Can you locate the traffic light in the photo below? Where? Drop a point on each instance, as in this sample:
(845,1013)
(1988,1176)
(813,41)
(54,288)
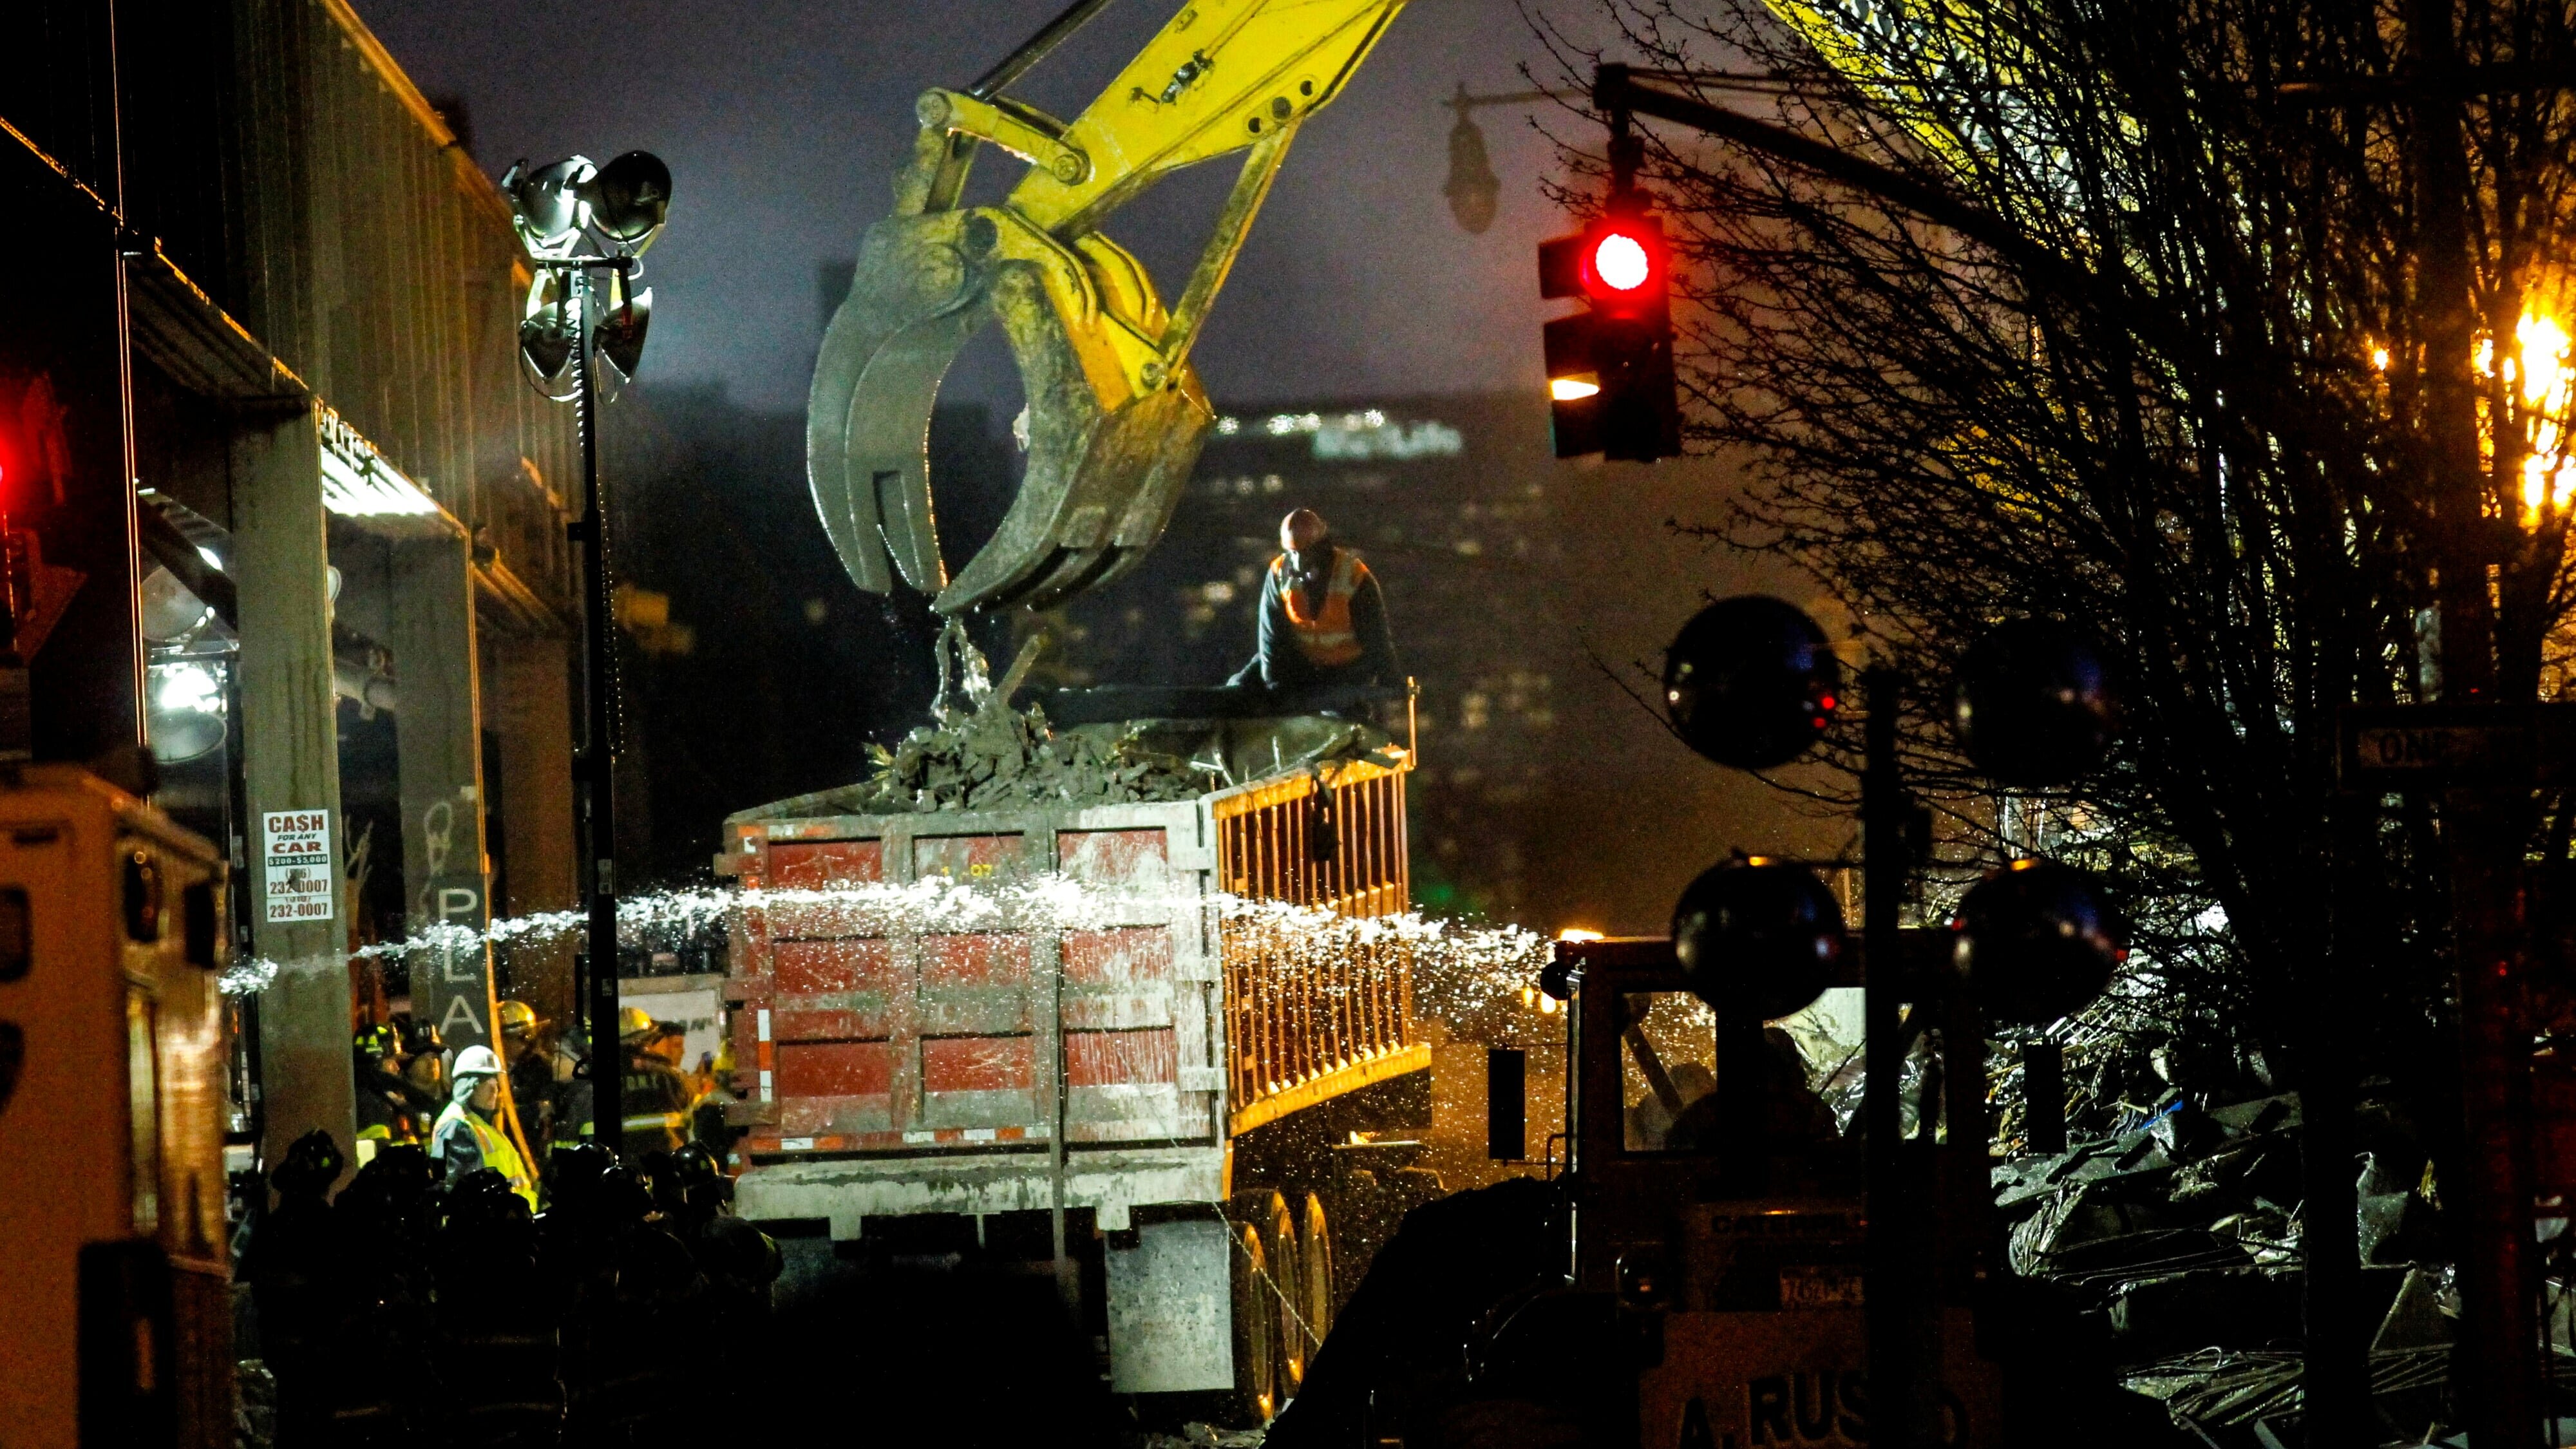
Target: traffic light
(1610,367)
(1751,682)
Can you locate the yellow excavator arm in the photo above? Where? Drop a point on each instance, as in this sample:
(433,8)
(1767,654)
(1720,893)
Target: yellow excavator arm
(1115,410)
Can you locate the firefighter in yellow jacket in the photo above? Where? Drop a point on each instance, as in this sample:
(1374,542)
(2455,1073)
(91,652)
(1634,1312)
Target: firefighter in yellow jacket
(469,1133)
(1324,641)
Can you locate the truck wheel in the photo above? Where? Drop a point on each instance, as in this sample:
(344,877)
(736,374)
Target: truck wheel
(1256,1330)
(1316,1237)
(1288,1298)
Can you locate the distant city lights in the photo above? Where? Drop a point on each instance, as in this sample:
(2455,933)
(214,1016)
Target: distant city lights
(1355,437)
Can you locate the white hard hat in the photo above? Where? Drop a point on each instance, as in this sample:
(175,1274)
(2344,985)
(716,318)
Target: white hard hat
(476,1061)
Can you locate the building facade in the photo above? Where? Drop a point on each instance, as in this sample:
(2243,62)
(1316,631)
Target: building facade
(263,399)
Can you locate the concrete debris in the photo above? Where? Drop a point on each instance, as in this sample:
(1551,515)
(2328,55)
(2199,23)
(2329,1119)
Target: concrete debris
(2422,1313)
(2083,1213)
(2171,1312)
(2180,1241)
(979,753)
(2266,1234)
(2227,1397)
(997,757)
(2398,1227)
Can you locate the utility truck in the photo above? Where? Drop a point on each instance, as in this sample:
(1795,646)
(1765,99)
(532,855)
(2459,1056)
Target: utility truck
(1712,1294)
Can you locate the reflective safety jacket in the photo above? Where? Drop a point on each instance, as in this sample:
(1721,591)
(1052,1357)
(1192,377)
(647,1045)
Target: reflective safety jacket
(654,1099)
(1329,636)
(464,1140)
(1322,627)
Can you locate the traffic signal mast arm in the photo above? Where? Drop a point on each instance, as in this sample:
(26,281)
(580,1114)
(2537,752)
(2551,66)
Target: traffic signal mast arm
(1619,91)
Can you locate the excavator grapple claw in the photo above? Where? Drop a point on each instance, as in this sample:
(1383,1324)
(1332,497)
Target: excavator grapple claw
(1115,410)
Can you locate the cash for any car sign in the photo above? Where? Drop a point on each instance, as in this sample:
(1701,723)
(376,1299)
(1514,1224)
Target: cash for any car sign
(301,884)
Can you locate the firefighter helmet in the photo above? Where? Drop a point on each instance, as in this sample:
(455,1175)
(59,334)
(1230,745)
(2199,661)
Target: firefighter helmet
(634,1023)
(419,1038)
(376,1042)
(518,1019)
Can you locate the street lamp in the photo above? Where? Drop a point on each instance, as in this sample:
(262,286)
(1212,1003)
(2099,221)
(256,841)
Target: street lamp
(585,228)
(1472,188)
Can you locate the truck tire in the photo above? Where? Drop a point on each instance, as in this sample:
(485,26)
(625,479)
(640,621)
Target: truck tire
(1315,1237)
(1256,1330)
(1286,1291)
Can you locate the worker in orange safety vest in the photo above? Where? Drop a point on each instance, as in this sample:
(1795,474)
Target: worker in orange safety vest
(1324,640)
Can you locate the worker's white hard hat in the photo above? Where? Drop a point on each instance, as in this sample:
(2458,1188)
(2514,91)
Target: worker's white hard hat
(476,1061)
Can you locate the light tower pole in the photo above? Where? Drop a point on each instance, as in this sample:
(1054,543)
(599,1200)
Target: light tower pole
(585,228)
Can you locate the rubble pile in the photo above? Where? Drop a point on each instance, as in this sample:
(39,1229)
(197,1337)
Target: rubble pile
(2225,1395)
(2179,1241)
(978,753)
(996,757)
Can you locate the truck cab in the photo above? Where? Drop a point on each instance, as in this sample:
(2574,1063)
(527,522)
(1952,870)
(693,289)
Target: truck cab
(1712,1296)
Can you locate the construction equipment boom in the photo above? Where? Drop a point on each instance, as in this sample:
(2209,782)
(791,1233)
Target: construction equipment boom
(1115,409)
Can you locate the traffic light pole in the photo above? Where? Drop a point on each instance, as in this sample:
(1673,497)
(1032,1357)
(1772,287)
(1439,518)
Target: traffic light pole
(1903,1374)
(2499,1286)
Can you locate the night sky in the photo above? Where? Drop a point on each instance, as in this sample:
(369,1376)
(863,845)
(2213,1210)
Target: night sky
(783,121)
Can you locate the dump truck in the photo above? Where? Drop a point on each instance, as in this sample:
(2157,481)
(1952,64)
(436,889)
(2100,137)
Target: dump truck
(995,1018)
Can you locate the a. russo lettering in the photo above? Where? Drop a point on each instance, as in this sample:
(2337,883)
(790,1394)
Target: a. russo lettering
(1823,1406)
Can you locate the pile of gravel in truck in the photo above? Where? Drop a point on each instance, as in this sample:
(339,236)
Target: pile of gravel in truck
(979,753)
(2178,1244)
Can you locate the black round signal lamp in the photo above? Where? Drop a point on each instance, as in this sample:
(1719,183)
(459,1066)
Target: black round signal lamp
(2036,941)
(1750,682)
(1758,936)
(2036,703)
(1556,979)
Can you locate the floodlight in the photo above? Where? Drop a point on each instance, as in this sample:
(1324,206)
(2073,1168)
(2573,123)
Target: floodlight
(624,314)
(1758,937)
(170,613)
(184,709)
(630,198)
(547,331)
(1751,682)
(549,202)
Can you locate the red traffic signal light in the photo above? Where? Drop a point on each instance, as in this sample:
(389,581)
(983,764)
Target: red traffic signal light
(1619,264)
(1623,264)
(1610,367)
